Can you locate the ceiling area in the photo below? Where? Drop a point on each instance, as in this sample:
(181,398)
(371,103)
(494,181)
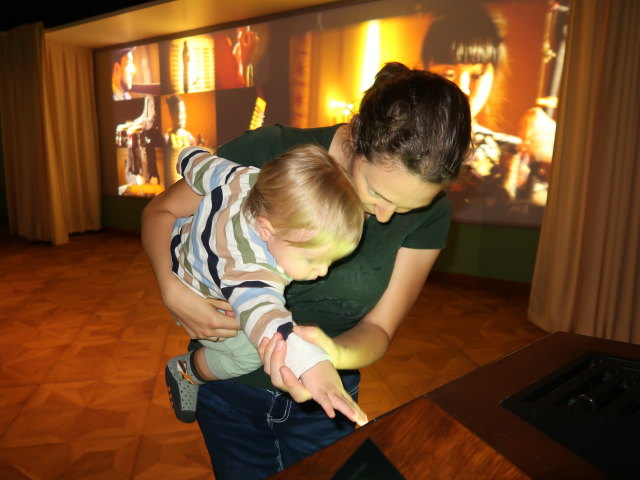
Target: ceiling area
(96,26)
(52,14)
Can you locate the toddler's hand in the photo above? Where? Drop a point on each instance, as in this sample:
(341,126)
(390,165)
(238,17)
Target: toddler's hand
(325,386)
(320,383)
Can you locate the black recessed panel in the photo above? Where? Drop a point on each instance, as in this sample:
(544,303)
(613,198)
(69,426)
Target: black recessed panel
(368,463)
(592,407)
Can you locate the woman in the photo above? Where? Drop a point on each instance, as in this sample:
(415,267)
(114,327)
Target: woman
(409,140)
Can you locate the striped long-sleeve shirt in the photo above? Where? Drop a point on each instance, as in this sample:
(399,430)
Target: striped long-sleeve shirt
(219,254)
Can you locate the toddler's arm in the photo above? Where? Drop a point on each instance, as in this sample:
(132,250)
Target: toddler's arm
(262,312)
(205,172)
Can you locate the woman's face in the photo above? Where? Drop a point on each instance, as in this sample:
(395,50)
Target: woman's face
(385,190)
(474,79)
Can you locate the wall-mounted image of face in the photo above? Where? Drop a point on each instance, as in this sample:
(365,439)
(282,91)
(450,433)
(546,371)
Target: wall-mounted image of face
(122,73)
(465,46)
(474,79)
(465,43)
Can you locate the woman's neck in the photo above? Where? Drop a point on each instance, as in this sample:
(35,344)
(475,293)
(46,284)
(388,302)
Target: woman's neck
(340,148)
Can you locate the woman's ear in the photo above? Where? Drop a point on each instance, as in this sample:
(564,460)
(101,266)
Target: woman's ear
(265,229)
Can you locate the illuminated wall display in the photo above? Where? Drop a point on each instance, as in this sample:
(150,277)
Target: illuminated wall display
(310,70)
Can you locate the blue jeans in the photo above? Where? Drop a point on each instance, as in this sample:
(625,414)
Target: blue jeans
(253,433)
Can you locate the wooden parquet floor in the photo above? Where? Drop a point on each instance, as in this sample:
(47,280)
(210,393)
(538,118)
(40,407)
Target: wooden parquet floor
(84,339)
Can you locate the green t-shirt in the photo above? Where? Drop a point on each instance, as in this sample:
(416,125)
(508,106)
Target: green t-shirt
(354,284)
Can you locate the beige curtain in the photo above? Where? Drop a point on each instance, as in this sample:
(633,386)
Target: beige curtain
(71,131)
(587,274)
(21,103)
(49,137)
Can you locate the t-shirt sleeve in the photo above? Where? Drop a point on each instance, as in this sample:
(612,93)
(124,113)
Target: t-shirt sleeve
(257,147)
(254,147)
(432,232)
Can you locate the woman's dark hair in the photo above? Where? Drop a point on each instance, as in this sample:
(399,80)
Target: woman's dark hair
(465,33)
(415,118)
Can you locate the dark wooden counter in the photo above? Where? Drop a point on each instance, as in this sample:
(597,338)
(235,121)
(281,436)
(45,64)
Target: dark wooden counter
(421,440)
(474,400)
(461,431)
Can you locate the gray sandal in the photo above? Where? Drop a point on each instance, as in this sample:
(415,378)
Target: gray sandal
(183,391)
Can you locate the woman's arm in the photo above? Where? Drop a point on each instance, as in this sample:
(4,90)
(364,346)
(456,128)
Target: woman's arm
(198,316)
(369,340)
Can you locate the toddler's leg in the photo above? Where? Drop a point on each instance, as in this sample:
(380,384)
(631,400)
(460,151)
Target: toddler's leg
(183,381)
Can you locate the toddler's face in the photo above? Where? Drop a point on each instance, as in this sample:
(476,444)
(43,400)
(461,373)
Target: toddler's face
(301,263)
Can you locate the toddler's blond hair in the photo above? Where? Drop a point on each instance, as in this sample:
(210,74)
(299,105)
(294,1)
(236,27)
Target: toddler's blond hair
(305,189)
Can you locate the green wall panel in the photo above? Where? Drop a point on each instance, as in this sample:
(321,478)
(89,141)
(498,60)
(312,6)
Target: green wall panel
(504,253)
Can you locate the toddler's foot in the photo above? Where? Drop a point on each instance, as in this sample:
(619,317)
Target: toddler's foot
(183,389)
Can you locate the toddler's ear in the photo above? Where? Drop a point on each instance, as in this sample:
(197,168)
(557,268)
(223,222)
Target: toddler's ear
(265,229)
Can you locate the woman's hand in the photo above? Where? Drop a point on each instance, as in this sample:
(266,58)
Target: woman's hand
(272,352)
(315,335)
(311,334)
(201,318)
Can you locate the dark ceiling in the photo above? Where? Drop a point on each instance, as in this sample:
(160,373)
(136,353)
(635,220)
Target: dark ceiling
(55,14)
